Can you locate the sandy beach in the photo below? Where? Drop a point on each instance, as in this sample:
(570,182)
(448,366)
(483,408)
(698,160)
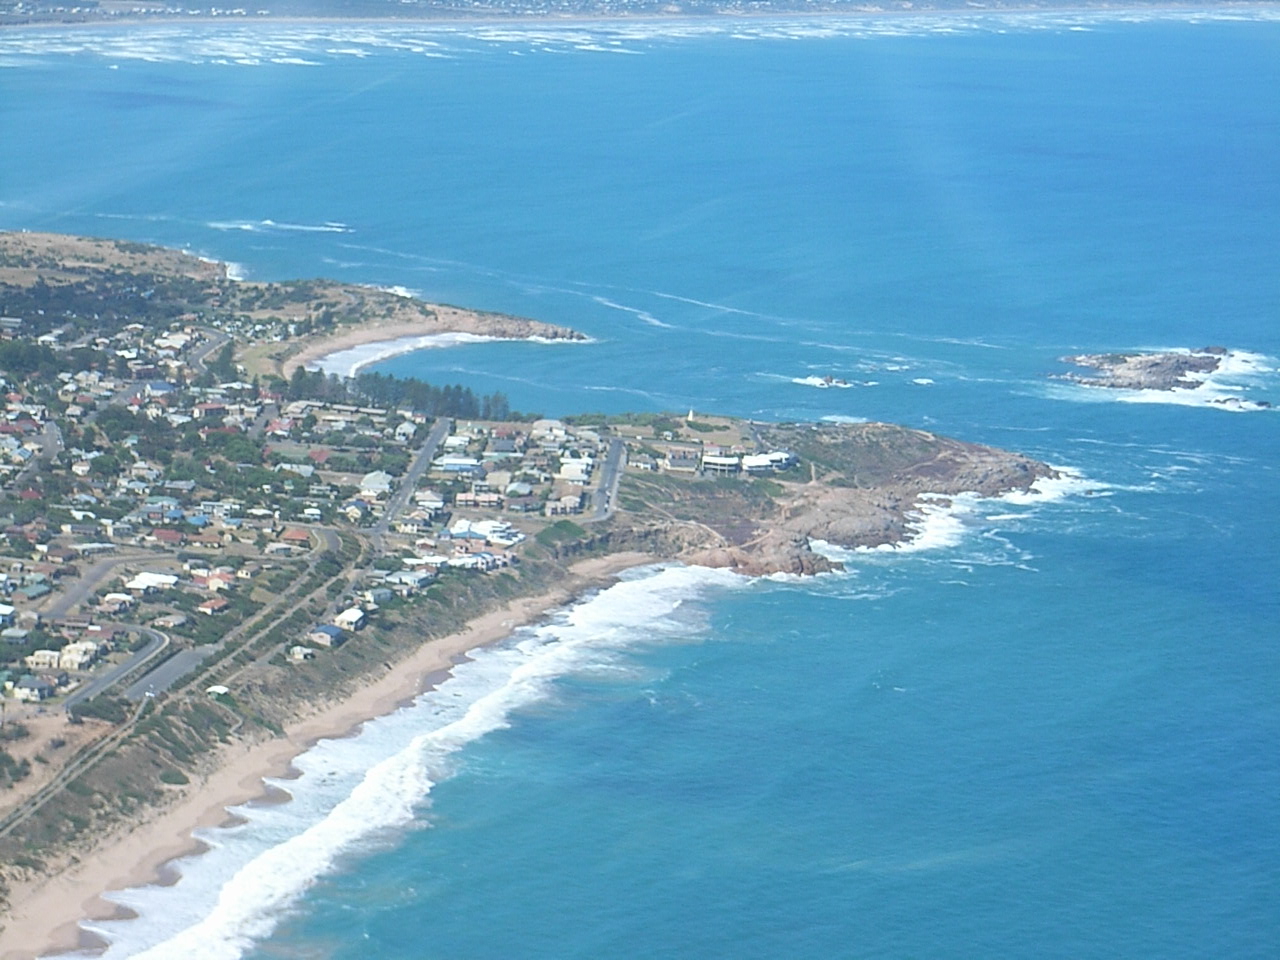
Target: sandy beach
(443,320)
(44,915)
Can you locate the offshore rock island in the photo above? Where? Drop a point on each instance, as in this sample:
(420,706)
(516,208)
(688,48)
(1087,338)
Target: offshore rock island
(214,555)
(1167,371)
(1170,370)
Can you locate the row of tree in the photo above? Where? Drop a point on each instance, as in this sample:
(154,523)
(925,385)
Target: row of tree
(381,390)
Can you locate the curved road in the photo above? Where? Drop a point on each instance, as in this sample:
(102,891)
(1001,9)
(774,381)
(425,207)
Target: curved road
(156,641)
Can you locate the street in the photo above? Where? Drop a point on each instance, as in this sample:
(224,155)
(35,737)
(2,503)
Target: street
(156,641)
(409,483)
(602,501)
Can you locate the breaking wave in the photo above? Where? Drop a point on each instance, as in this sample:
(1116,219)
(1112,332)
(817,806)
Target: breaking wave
(941,521)
(349,362)
(1226,388)
(355,792)
(278,45)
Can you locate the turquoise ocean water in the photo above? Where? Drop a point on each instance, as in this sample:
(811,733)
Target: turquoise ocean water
(1049,728)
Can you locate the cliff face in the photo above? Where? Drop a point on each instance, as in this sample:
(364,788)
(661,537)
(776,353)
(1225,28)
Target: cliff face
(856,486)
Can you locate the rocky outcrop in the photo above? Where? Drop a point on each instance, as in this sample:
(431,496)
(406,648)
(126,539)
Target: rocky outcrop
(1172,370)
(728,524)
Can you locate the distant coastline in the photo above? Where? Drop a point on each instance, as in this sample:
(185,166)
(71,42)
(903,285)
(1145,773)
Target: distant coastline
(711,14)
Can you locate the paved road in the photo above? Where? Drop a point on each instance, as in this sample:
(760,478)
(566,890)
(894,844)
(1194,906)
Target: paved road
(88,582)
(409,483)
(162,677)
(603,501)
(200,355)
(156,641)
(50,446)
(269,412)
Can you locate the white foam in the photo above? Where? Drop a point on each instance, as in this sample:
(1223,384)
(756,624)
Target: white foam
(271,226)
(942,521)
(353,791)
(644,315)
(399,291)
(1224,388)
(922,381)
(234,271)
(821,382)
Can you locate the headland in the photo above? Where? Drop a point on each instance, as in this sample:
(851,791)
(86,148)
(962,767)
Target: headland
(205,539)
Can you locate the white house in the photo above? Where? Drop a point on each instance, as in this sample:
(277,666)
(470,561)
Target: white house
(147,582)
(376,485)
(350,619)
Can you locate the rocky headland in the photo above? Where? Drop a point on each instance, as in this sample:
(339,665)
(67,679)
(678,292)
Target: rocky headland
(857,485)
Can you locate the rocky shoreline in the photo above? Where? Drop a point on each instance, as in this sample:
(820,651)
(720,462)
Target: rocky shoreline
(714,525)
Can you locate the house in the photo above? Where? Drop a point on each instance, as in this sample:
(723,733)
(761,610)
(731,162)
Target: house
(455,464)
(376,485)
(296,536)
(116,602)
(326,635)
(299,653)
(429,500)
(681,461)
(33,690)
(559,506)
(42,660)
(214,605)
(720,466)
(490,501)
(146,582)
(169,621)
(575,471)
(407,581)
(350,619)
(376,595)
(78,655)
(757,463)
(6,614)
(168,536)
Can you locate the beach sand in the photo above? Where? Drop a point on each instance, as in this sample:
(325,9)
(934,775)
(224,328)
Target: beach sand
(44,915)
(444,319)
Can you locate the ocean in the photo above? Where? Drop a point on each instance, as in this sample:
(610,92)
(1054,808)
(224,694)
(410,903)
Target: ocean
(1049,726)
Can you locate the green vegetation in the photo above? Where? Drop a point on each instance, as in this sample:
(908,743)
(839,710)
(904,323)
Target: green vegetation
(560,532)
(102,707)
(174,777)
(376,389)
(12,770)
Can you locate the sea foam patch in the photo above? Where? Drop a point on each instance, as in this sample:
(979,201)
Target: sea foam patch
(353,793)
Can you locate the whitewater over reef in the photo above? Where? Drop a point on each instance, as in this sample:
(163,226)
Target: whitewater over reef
(1042,724)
